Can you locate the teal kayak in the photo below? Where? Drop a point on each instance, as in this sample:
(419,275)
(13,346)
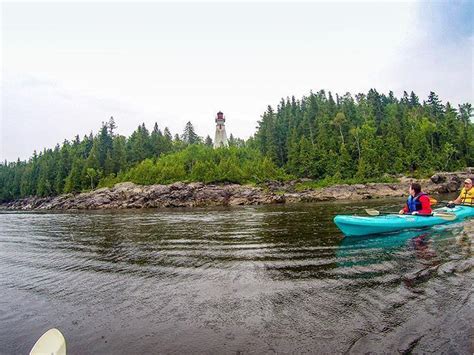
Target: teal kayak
(362,225)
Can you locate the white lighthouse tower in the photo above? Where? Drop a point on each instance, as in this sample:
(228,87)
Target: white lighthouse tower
(220,139)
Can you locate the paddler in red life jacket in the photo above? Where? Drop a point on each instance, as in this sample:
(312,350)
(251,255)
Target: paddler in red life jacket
(418,202)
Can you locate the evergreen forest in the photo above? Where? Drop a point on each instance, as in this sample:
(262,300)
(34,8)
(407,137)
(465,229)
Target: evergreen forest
(366,137)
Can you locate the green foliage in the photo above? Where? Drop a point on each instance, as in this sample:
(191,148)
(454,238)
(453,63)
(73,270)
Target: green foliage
(342,140)
(92,174)
(108,181)
(366,137)
(99,160)
(208,141)
(202,163)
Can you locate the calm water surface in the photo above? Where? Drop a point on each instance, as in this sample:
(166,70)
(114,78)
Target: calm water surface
(266,279)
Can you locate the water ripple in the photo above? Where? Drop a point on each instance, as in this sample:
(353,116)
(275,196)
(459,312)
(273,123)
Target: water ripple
(251,279)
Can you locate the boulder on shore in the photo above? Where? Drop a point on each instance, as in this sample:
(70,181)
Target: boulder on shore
(451,182)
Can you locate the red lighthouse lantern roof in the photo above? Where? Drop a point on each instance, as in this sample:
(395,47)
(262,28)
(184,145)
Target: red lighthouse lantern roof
(220,116)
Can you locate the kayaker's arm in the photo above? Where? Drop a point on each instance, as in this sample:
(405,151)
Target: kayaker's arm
(404,210)
(457,201)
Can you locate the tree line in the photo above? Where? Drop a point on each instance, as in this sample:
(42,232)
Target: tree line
(319,137)
(366,136)
(145,158)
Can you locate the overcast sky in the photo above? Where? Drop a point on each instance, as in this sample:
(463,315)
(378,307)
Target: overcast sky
(66,67)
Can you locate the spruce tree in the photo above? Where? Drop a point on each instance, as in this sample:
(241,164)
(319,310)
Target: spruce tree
(189,136)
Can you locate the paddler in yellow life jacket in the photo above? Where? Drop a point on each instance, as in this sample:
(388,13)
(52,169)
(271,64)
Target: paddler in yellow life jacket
(466,197)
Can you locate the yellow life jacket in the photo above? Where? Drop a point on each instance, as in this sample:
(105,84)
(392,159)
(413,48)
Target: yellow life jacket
(467,196)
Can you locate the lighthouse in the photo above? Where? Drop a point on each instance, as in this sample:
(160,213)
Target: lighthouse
(220,139)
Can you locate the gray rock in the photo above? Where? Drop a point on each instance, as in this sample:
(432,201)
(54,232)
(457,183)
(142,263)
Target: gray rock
(180,194)
(438,178)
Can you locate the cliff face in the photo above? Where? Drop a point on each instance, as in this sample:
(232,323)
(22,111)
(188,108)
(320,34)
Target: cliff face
(129,195)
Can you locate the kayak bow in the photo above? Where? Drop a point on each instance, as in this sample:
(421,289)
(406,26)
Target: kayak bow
(52,342)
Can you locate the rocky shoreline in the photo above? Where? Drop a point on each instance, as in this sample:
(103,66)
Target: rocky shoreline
(129,195)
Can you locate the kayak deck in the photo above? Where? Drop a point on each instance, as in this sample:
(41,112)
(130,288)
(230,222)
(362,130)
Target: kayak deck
(365,225)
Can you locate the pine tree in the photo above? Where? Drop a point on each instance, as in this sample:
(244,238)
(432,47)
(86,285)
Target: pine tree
(465,115)
(189,136)
(156,141)
(414,100)
(136,145)
(74,181)
(434,105)
(111,126)
(167,141)
(119,154)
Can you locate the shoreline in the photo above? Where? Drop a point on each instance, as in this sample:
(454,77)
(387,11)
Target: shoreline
(128,195)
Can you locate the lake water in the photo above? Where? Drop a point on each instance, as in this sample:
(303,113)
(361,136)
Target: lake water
(264,279)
